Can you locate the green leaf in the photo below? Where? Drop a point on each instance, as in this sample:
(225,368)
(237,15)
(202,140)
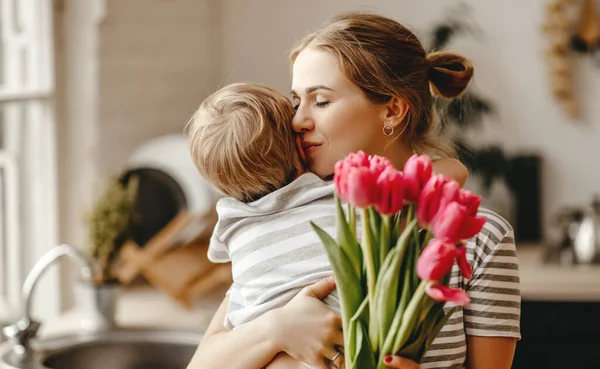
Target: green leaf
(406,292)
(371,240)
(347,282)
(347,238)
(371,259)
(364,357)
(438,327)
(430,314)
(368,254)
(350,343)
(357,343)
(410,317)
(346,279)
(375,220)
(397,224)
(384,241)
(352,219)
(361,315)
(387,287)
(414,345)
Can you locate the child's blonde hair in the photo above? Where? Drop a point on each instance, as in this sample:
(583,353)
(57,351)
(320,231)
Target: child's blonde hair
(241,140)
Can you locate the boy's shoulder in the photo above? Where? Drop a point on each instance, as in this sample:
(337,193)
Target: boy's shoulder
(303,194)
(304,190)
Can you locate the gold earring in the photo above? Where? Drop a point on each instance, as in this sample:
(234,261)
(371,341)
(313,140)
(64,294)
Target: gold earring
(388,129)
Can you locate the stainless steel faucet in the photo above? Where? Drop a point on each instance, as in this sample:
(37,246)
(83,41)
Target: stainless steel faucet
(21,332)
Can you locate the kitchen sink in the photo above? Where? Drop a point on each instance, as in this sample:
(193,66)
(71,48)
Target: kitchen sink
(121,348)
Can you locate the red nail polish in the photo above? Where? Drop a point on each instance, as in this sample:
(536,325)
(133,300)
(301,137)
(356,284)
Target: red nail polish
(388,359)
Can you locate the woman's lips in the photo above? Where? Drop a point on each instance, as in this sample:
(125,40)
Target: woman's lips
(310,149)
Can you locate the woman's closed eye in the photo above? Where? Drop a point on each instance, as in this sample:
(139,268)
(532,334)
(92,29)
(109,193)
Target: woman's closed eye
(318,104)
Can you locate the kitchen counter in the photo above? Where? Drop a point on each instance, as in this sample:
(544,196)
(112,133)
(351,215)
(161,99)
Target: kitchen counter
(144,306)
(553,282)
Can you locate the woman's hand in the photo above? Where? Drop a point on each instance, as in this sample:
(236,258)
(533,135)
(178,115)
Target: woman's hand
(400,363)
(308,330)
(285,361)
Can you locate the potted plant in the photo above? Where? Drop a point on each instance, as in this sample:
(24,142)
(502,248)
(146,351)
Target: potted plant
(109,226)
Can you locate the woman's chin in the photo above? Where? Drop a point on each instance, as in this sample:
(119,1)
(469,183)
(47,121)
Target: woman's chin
(326,174)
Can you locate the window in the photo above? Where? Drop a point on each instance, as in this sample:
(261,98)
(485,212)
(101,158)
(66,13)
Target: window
(28,214)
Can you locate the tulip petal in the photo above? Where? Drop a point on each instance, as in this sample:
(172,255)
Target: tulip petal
(390,197)
(378,164)
(470,201)
(470,227)
(436,260)
(463,264)
(437,193)
(358,159)
(361,187)
(444,293)
(417,172)
(449,221)
(340,180)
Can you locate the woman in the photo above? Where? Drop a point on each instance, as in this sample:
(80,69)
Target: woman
(364,82)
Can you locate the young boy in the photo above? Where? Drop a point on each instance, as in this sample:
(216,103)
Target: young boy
(242,141)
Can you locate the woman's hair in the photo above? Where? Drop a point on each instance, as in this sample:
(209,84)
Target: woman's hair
(386,60)
(241,140)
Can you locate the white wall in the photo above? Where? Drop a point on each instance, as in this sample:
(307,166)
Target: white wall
(127,71)
(155,67)
(510,69)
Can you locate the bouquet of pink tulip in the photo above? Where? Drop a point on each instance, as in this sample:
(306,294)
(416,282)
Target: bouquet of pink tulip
(393,283)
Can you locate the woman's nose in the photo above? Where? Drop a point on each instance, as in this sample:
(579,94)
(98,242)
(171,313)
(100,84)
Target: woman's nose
(302,122)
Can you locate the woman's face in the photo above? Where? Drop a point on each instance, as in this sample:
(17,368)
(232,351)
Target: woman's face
(333,118)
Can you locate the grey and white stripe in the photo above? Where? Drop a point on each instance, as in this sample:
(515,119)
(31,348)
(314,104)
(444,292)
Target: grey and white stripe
(495,307)
(273,249)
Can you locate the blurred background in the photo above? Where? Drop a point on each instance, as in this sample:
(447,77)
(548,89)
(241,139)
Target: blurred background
(94,93)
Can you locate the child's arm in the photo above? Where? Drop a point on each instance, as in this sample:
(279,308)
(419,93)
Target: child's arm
(452,168)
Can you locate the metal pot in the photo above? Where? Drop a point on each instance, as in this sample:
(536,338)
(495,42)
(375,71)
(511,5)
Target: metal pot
(586,235)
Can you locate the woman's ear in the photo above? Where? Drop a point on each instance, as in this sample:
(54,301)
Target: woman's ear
(395,111)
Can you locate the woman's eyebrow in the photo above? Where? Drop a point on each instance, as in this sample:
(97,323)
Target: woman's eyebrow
(313,89)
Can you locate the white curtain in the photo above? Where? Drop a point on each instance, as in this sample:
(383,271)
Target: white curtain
(28,168)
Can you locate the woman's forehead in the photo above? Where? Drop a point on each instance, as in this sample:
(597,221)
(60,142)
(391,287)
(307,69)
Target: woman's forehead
(314,67)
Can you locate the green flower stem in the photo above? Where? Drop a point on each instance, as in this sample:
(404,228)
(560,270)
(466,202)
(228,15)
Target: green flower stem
(410,315)
(384,246)
(388,281)
(428,237)
(368,254)
(411,213)
(370,267)
(352,220)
